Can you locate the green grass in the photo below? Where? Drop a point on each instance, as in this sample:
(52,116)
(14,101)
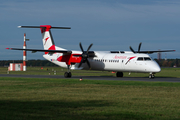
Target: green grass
(165,72)
(53,99)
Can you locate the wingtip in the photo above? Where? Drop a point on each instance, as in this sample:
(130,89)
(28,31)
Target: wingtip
(19,26)
(7,48)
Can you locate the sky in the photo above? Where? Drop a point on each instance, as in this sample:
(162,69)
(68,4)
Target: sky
(108,24)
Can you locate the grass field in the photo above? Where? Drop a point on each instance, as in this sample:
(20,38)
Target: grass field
(53,99)
(165,72)
(71,99)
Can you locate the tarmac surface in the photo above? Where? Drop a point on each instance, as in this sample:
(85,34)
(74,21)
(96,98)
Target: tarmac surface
(156,79)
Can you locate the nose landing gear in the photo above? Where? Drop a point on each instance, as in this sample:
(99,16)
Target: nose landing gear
(151,76)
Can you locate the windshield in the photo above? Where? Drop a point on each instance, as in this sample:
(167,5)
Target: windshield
(147,58)
(144,59)
(140,59)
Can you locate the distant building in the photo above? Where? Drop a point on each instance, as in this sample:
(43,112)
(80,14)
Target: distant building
(15,67)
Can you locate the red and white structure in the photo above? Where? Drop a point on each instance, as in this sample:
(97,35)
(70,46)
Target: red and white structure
(15,67)
(24,53)
(20,66)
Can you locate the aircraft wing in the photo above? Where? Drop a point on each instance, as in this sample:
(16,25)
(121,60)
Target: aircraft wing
(39,50)
(150,52)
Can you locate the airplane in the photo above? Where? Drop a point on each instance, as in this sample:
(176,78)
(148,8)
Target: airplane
(116,61)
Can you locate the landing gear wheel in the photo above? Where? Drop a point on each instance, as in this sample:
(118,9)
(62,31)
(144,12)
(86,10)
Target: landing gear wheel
(67,74)
(119,74)
(151,76)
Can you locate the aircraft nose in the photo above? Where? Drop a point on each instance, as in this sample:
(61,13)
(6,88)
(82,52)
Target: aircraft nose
(156,67)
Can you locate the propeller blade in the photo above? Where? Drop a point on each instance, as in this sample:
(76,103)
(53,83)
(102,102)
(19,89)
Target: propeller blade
(132,49)
(81,47)
(80,63)
(88,63)
(139,47)
(89,48)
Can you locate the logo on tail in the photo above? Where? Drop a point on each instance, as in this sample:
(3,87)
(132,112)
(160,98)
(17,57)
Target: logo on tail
(46,40)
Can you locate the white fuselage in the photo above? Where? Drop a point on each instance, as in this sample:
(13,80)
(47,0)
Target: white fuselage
(106,61)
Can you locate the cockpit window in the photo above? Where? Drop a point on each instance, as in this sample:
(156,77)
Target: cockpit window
(147,58)
(140,59)
(144,59)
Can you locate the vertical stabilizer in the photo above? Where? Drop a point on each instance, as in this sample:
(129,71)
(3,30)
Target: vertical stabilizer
(47,38)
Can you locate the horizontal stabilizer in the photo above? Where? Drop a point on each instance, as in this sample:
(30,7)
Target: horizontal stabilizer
(43,27)
(38,50)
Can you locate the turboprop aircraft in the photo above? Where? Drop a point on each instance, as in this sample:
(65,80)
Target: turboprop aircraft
(117,61)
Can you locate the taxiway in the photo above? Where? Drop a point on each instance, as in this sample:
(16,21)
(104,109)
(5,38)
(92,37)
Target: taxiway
(157,79)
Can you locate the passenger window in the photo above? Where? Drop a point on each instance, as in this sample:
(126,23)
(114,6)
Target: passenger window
(140,59)
(147,58)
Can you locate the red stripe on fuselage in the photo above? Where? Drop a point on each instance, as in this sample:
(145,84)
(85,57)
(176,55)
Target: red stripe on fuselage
(130,59)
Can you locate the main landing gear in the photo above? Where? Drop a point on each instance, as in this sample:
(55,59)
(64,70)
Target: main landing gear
(68,73)
(84,58)
(119,74)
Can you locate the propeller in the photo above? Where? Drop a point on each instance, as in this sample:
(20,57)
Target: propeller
(138,49)
(84,55)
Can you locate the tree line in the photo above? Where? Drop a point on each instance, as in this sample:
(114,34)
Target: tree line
(28,63)
(162,62)
(168,62)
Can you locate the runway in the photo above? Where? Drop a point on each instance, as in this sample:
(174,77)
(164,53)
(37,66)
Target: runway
(157,79)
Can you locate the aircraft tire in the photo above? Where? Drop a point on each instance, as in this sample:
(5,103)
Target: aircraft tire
(151,76)
(119,74)
(67,74)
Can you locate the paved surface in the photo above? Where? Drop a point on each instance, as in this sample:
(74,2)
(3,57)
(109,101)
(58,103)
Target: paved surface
(97,78)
